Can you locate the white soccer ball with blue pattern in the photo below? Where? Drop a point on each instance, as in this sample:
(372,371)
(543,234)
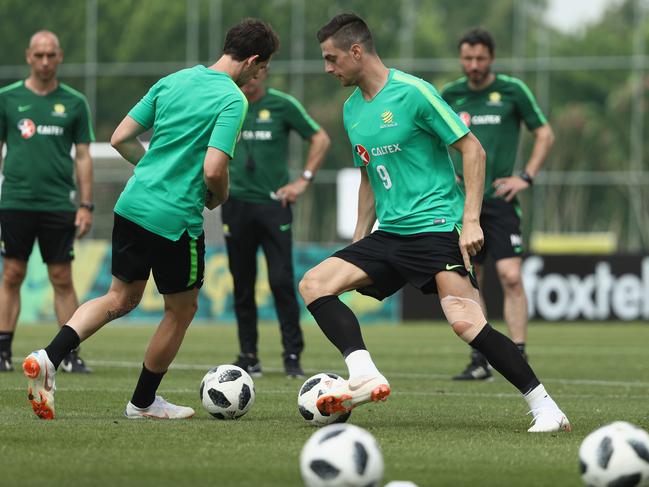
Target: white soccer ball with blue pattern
(227,392)
(311,390)
(341,455)
(615,455)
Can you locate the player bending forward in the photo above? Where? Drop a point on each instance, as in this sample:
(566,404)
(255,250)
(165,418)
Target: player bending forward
(399,128)
(196,115)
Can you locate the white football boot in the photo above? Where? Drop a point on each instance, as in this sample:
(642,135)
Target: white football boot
(40,371)
(354,392)
(548,420)
(160,409)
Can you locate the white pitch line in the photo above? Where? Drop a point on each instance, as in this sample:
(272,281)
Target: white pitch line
(493,395)
(401,375)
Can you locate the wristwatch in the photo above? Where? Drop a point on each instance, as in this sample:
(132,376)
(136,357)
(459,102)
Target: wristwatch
(526,177)
(88,206)
(308,175)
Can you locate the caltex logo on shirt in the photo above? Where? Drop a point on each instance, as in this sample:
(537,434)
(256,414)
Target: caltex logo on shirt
(362,153)
(27,128)
(466,118)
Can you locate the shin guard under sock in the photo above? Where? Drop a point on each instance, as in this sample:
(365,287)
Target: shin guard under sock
(338,323)
(505,357)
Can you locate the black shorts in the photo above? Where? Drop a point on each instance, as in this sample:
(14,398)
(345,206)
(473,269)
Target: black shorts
(54,230)
(177,266)
(501,224)
(391,260)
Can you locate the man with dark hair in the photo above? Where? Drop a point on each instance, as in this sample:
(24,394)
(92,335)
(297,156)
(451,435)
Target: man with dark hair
(40,119)
(400,130)
(493,106)
(196,115)
(258,214)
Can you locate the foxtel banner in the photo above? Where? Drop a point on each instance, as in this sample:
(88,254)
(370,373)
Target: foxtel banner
(92,277)
(562,288)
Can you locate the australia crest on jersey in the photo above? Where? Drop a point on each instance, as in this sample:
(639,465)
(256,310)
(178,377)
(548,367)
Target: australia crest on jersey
(495,99)
(387,117)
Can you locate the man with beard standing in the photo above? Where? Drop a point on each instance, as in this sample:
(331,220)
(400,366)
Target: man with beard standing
(493,107)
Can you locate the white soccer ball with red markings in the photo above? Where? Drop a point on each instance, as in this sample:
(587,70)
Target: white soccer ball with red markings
(311,390)
(227,392)
(615,455)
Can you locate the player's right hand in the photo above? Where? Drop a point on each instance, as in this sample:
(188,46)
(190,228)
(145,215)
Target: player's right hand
(210,201)
(471,241)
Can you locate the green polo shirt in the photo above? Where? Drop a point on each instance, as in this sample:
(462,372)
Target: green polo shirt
(494,115)
(39,131)
(189,111)
(401,137)
(260,165)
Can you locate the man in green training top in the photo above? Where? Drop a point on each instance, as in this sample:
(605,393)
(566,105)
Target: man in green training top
(40,119)
(258,213)
(493,106)
(400,129)
(196,115)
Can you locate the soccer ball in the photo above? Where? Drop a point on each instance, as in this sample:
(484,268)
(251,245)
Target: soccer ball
(227,392)
(309,393)
(615,455)
(341,455)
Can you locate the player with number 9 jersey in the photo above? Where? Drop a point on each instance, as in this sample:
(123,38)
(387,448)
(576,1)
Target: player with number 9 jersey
(401,137)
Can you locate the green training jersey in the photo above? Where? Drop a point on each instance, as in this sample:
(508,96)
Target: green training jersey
(401,136)
(189,110)
(260,165)
(494,115)
(39,131)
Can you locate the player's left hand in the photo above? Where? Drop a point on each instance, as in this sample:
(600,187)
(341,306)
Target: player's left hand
(289,193)
(83,222)
(471,241)
(509,187)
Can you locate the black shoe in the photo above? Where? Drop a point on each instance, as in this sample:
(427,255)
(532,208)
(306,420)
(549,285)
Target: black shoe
(5,362)
(74,364)
(478,369)
(292,366)
(250,363)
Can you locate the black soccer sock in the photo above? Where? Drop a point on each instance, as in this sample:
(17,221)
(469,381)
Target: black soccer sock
(147,385)
(63,343)
(338,323)
(504,356)
(521,347)
(6,337)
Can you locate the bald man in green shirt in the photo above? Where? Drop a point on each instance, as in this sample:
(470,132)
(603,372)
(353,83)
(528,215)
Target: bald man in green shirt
(41,119)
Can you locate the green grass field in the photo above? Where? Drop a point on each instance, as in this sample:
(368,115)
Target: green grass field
(432,431)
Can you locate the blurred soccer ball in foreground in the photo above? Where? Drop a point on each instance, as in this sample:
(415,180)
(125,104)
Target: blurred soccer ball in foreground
(227,392)
(309,393)
(341,455)
(615,455)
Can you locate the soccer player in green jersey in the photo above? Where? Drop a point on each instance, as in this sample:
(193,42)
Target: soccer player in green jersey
(40,119)
(196,115)
(494,106)
(258,214)
(400,128)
